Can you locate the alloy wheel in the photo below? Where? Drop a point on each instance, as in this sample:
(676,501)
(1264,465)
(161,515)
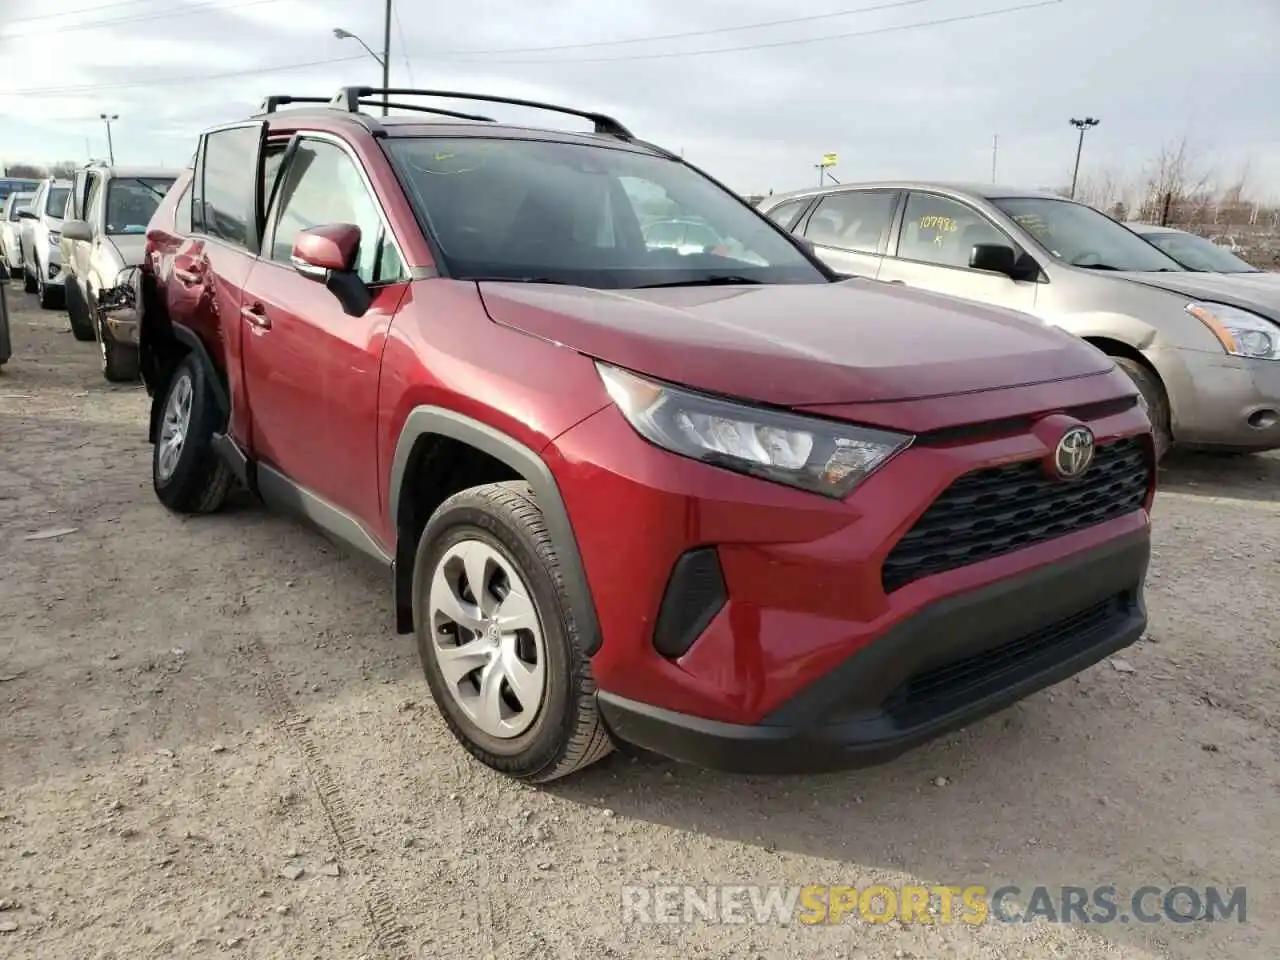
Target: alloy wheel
(174,426)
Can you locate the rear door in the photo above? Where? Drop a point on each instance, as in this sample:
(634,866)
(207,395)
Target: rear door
(212,263)
(850,229)
(310,369)
(932,248)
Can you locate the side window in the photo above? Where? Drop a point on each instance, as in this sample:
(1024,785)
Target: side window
(942,231)
(854,220)
(182,212)
(93,201)
(786,214)
(230,167)
(322,185)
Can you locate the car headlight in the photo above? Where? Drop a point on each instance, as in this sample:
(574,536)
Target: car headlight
(821,456)
(1241,333)
(54,237)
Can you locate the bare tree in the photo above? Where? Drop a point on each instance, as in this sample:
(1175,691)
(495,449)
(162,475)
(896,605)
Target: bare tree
(63,170)
(1177,179)
(25,170)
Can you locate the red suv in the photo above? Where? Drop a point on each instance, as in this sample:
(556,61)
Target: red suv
(684,488)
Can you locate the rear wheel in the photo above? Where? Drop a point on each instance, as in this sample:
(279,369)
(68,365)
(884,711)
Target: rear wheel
(50,294)
(1154,401)
(188,476)
(499,649)
(29,283)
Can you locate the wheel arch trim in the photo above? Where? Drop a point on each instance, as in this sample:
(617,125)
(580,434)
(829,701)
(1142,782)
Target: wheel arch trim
(425,421)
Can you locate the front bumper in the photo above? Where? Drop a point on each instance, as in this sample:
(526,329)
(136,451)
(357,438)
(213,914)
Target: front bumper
(122,326)
(956,661)
(1222,401)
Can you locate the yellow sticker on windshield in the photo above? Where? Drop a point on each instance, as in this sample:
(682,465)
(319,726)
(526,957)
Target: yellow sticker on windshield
(937,223)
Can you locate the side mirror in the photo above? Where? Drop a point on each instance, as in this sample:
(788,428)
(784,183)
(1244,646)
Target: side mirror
(327,255)
(76,230)
(805,244)
(319,251)
(994,258)
(26,214)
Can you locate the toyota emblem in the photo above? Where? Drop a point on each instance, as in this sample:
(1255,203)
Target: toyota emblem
(1074,453)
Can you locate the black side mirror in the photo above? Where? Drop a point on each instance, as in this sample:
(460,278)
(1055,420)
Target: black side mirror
(994,258)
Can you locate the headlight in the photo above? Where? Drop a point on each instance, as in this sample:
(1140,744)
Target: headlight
(821,456)
(54,237)
(1241,333)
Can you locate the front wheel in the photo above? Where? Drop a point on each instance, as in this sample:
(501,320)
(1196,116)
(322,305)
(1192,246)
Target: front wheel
(80,314)
(188,475)
(500,651)
(1154,401)
(29,283)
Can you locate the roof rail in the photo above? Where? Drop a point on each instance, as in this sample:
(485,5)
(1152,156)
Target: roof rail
(352,98)
(271,104)
(420,109)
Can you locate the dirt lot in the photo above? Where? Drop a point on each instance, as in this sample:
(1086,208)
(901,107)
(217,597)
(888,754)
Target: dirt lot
(192,711)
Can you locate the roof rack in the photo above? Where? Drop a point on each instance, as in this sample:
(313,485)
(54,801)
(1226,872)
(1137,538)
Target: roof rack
(352,99)
(271,104)
(420,109)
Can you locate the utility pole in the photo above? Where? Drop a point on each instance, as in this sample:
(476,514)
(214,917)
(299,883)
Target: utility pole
(995,146)
(111,150)
(1082,126)
(386,59)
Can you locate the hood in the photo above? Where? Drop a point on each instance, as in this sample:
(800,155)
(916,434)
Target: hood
(130,247)
(794,345)
(1244,290)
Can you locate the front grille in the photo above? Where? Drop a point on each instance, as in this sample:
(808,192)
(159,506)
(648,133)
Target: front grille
(995,511)
(942,689)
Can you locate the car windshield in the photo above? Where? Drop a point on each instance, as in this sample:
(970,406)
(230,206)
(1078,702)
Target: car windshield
(132,200)
(18,203)
(1197,253)
(1083,237)
(586,215)
(55,204)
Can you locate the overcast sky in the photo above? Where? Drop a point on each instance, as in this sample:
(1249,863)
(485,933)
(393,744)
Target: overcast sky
(890,99)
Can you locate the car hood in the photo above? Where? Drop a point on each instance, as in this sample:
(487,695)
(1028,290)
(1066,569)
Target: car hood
(1242,290)
(796,345)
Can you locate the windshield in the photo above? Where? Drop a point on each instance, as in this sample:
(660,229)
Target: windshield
(589,216)
(1083,237)
(19,202)
(55,204)
(1197,253)
(132,200)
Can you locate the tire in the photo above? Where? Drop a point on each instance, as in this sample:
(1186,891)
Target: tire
(120,361)
(80,314)
(564,734)
(29,283)
(50,296)
(1154,400)
(195,479)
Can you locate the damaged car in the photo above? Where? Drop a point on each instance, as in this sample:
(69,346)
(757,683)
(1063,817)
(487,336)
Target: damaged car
(103,241)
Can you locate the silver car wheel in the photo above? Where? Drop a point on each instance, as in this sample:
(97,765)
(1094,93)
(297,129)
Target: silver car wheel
(174,426)
(487,639)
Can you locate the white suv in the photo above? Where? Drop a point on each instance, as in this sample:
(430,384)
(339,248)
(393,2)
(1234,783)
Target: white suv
(10,230)
(41,233)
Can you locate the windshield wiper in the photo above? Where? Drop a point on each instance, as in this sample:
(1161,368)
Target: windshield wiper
(159,193)
(714,281)
(520,280)
(1095,266)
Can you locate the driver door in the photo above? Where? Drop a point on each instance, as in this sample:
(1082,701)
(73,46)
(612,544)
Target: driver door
(931,251)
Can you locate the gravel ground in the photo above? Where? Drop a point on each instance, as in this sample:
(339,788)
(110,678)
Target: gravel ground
(212,742)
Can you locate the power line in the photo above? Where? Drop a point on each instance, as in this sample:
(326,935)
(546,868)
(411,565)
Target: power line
(68,13)
(163,81)
(695,33)
(404,47)
(446,58)
(195,8)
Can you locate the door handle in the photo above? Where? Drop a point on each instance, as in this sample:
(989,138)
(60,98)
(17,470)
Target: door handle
(253,313)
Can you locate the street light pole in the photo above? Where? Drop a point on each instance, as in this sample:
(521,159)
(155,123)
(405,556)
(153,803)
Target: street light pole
(1082,126)
(386,57)
(383,61)
(111,150)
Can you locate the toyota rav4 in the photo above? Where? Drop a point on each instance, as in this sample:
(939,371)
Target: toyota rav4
(706,498)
